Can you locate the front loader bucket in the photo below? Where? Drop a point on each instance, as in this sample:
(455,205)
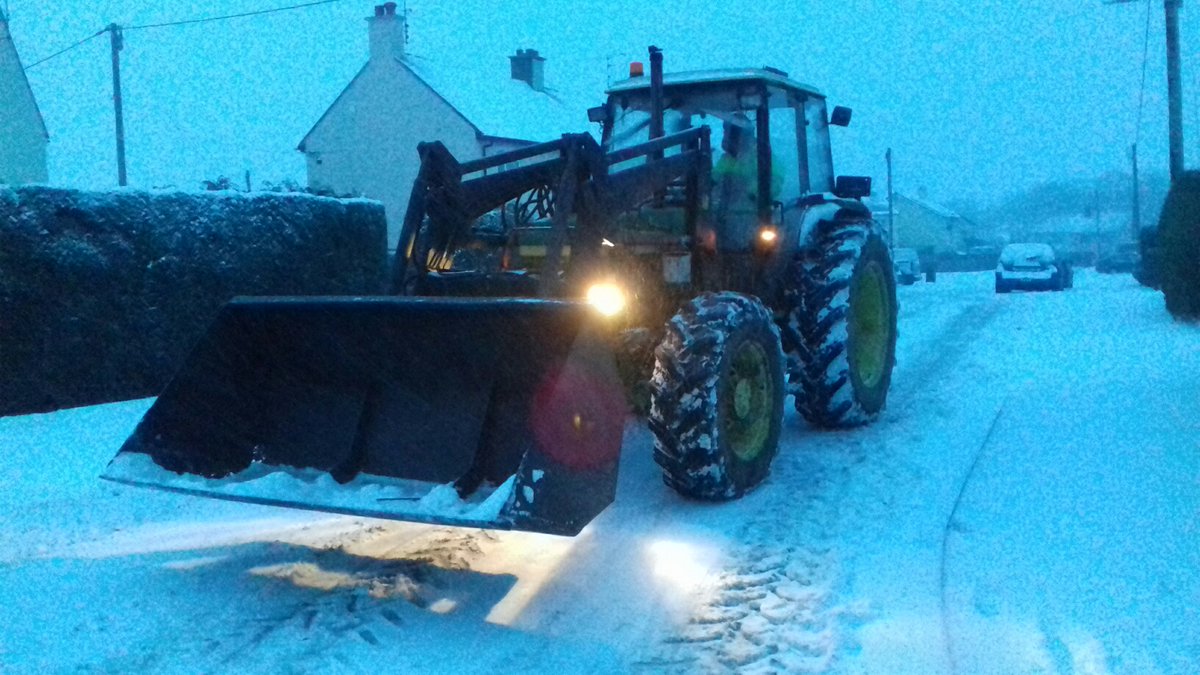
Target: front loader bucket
(500,414)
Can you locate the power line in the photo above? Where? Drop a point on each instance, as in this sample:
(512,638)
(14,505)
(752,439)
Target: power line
(183,23)
(231,16)
(64,51)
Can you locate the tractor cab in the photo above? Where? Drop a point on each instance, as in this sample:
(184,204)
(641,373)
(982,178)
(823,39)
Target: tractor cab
(769,138)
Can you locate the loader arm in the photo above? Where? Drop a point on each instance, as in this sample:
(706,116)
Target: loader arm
(581,190)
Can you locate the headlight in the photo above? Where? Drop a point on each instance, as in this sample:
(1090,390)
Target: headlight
(607,298)
(768,235)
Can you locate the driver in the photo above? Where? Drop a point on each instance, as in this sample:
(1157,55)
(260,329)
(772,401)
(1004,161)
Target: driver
(735,177)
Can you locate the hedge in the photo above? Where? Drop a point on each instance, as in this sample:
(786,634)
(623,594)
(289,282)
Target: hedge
(102,294)
(1179,247)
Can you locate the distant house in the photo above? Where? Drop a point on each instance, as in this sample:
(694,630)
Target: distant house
(930,228)
(23,137)
(366,142)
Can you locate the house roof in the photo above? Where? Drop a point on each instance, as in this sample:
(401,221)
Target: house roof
(497,105)
(493,103)
(6,37)
(931,206)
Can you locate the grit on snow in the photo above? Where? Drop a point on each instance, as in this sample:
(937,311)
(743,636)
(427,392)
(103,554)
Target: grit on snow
(1029,502)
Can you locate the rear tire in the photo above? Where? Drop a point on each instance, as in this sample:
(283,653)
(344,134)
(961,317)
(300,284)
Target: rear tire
(716,397)
(843,317)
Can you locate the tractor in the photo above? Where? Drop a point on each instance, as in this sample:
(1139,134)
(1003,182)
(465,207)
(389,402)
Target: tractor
(700,263)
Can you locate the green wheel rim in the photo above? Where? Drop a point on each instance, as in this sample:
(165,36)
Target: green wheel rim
(745,406)
(869,327)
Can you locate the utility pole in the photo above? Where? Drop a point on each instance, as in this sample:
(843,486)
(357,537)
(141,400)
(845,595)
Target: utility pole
(117,42)
(1174,88)
(1174,84)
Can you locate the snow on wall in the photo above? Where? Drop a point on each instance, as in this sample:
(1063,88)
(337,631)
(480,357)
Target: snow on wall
(102,294)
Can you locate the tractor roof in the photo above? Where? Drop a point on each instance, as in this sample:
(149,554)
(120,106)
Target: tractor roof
(766,76)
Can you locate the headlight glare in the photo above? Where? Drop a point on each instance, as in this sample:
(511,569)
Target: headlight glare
(607,298)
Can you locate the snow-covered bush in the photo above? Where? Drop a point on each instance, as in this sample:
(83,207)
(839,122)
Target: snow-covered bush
(102,294)
(1179,241)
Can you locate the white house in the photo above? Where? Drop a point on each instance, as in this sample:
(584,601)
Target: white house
(928,227)
(366,142)
(23,137)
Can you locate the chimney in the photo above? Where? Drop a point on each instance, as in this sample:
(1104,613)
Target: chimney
(387,33)
(528,67)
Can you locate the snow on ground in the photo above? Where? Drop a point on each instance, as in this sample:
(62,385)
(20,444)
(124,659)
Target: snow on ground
(1029,502)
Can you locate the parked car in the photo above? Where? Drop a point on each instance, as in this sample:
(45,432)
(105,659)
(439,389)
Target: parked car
(1032,267)
(1121,260)
(907,264)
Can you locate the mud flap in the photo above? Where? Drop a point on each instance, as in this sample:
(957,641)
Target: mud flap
(502,414)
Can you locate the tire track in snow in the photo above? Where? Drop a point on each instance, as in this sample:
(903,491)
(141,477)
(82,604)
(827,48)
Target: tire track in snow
(936,356)
(778,604)
(767,609)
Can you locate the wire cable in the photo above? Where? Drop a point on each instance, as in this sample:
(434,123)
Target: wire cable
(182,23)
(64,51)
(230,16)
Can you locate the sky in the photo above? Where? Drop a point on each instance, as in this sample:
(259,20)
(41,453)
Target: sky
(1020,506)
(976,100)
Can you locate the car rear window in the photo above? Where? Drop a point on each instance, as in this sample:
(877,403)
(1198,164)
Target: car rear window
(1018,253)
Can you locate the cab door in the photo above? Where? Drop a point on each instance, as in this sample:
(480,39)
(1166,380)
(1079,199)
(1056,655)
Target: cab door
(789,174)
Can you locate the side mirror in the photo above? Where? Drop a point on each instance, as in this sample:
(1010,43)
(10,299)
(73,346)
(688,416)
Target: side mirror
(840,117)
(852,187)
(599,114)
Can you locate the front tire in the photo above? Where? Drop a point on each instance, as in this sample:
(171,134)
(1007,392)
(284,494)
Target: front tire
(716,397)
(843,313)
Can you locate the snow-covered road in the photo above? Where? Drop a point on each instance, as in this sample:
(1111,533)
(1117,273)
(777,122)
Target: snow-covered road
(1029,502)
